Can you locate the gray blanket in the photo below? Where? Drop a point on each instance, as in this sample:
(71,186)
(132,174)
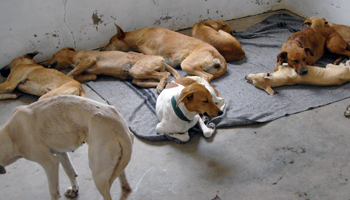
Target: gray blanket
(245,103)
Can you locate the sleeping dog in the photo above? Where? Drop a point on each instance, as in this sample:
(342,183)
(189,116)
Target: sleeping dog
(46,130)
(180,103)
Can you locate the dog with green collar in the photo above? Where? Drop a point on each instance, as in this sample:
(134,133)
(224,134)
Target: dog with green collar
(179,105)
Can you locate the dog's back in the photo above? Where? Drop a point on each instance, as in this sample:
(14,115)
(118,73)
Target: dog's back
(219,34)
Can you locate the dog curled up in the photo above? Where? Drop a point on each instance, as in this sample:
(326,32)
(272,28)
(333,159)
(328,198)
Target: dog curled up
(220,35)
(42,133)
(143,70)
(25,75)
(194,56)
(180,103)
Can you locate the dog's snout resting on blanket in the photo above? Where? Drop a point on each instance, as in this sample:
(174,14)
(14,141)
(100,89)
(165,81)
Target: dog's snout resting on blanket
(193,55)
(285,75)
(179,105)
(219,34)
(24,74)
(46,130)
(307,46)
(144,70)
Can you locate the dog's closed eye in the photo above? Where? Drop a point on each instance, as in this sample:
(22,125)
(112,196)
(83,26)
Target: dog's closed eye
(206,101)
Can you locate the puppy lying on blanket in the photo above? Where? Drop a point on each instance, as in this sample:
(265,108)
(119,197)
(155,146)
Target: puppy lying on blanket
(29,77)
(180,103)
(285,75)
(46,130)
(193,55)
(307,46)
(219,34)
(144,70)
(343,30)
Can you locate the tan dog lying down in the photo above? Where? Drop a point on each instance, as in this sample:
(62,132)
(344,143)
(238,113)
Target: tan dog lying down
(193,55)
(46,130)
(219,34)
(144,70)
(29,77)
(343,30)
(285,75)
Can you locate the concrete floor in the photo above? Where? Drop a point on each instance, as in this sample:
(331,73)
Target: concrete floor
(302,156)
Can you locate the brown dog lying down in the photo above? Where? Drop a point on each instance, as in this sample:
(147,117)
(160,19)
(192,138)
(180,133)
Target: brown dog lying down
(307,46)
(29,77)
(343,30)
(46,130)
(193,55)
(219,34)
(285,75)
(144,70)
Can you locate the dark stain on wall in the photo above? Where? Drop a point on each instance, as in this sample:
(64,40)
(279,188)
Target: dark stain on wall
(159,21)
(96,19)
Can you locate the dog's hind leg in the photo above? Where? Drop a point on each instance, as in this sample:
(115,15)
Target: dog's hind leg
(72,175)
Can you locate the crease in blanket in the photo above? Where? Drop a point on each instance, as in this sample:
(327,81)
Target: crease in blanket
(245,104)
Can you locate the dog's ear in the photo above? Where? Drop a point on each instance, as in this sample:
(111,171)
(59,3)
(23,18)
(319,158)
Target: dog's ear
(185,95)
(223,23)
(120,33)
(2,170)
(269,90)
(308,22)
(282,57)
(31,55)
(309,50)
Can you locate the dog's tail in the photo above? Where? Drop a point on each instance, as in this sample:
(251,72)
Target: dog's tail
(220,67)
(172,71)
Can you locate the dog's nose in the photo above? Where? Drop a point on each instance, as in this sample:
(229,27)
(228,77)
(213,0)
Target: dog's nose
(220,112)
(304,71)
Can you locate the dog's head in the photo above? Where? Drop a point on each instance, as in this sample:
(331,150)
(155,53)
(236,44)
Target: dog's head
(62,59)
(2,169)
(25,59)
(262,81)
(197,98)
(117,43)
(295,59)
(314,22)
(226,27)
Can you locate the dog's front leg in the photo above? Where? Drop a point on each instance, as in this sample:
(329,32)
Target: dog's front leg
(207,131)
(72,175)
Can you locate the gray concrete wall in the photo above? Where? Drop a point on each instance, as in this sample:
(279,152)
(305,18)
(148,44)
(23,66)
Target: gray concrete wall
(47,26)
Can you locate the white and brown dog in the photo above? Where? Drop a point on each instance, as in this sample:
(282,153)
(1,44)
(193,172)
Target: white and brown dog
(285,75)
(180,103)
(46,130)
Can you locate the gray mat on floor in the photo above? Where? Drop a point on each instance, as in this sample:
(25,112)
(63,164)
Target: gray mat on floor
(245,103)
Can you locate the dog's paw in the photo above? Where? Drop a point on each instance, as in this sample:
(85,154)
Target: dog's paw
(205,119)
(211,130)
(71,192)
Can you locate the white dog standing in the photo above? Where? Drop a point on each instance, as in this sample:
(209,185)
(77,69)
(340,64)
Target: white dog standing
(179,105)
(60,124)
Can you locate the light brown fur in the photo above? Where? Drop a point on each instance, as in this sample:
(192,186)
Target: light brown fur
(29,77)
(285,75)
(219,34)
(144,70)
(44,131)
(307,46)
(193,55)
(343,30)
